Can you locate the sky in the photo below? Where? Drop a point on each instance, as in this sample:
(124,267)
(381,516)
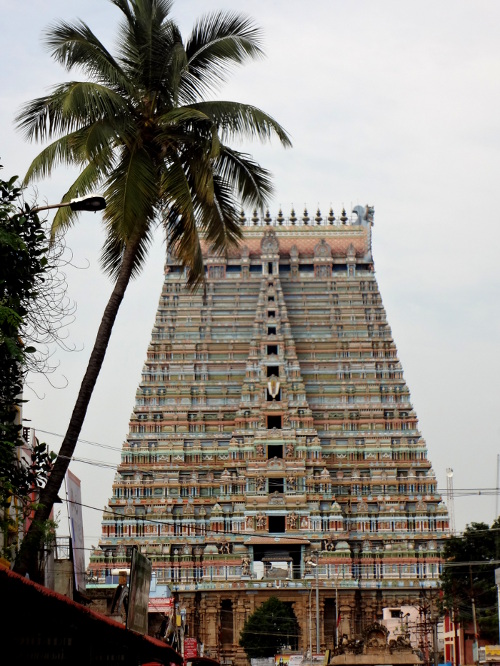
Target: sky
(388,103)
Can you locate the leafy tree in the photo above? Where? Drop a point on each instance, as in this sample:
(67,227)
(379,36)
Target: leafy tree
(465,578)
(271,627)
(143,129)
(23,266)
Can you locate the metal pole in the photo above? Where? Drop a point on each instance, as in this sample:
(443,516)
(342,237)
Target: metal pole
(336,613)
(498,484)
(310,626)
(497,582)
(474,619)
(317,607)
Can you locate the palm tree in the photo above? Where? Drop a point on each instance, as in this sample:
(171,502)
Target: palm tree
(143,129)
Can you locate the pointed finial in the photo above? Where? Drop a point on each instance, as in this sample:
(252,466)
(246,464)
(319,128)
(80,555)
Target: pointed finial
(331,216)
(255,218)
(280,219)
(243,219)
(293,217)
(318,217)
(305,216)
(343,217)
(268,219)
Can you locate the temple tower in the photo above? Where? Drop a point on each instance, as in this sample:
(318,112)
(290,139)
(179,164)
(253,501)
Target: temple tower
(273,447)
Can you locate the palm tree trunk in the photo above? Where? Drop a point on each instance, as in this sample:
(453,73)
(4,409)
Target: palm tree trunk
(28,556)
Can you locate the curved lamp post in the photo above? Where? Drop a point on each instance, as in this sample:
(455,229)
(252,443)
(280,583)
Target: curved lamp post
(90,203)
(314,564)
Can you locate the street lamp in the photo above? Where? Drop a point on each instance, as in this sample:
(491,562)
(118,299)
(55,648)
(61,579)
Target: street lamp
(315,565)
(90,203)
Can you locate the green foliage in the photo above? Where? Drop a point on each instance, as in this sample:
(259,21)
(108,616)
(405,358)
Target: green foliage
(271,627)
(23,247)
(143,129)
(461,583)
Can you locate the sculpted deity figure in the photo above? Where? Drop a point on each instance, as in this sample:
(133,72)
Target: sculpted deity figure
(245,567)
(292,520)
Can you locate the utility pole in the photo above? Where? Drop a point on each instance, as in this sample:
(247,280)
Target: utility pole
(497,583)
(310,625)
(451,499)
(317,605)
(475,650)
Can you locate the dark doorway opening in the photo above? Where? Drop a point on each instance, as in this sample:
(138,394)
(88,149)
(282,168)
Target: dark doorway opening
(226,621)
(276,484)
(275,451)
(277,524)
(273,421)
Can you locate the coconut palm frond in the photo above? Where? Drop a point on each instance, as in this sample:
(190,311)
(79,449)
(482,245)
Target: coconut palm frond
(74,45)
(236,120)
(219,42)
(220,222)
(131,194)
(247,177)
(114,248)
(67,108)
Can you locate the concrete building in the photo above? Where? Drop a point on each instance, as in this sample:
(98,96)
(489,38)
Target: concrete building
(273,447)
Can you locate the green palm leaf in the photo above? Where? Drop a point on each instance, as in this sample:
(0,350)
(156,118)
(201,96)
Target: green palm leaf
(218,43)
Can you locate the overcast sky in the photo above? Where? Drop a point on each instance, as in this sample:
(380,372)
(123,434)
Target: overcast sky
(388,103)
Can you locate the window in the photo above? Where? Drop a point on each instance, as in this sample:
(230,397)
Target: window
(275,451)
(271,313)
(273,370)
(277,524)
(276,484)
(271,330)
(273,421)
(272,349)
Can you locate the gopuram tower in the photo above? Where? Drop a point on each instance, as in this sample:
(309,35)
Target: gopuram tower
(273,447)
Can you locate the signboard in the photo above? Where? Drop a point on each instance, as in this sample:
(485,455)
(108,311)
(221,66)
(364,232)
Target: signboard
(75,516)
(138,599)
(161,605)
(288,660)
(190,648)
(489,654)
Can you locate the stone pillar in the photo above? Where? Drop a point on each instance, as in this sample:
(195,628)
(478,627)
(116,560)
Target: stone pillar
(209,624)
(301,610)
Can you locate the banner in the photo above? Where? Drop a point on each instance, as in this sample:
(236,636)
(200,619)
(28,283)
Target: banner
(75,516)
(138,599)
